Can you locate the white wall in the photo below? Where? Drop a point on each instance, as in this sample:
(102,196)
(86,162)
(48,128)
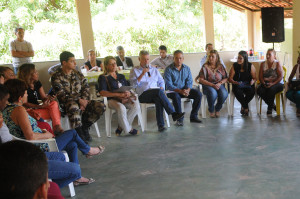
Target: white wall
(190,59)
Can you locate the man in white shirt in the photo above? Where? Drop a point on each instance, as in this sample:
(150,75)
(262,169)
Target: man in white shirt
(150,87)
(163,60)
(208,48)
(126,62)
(20,49)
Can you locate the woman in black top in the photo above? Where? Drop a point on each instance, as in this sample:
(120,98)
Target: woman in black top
(243,77)
(48,109)
(92,63)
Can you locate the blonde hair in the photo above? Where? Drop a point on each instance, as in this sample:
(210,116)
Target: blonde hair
(106,62)
(218,58)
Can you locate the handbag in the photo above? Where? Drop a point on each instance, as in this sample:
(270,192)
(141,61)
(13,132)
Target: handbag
(122,100)
(295,84)
(244,84)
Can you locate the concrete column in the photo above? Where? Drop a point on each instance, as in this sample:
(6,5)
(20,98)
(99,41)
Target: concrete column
(296,30)
(85,24)
(208,10)
(256,30)
(250,28)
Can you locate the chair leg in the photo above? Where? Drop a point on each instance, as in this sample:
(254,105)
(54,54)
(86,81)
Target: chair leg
(231,106)
(108,114)
(97,129)
(203,106)
(167,118)
(140,119)
(283,98)
(277,96)
(228,106)
(144,115)
(71,185)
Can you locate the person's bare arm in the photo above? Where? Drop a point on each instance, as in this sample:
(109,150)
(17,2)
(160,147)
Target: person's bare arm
(20,117)
(253,75)
(231,75)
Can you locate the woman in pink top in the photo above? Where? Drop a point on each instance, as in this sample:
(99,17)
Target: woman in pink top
(213,76)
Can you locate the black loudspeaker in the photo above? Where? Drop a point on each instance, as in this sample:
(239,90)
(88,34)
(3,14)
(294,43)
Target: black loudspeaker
(272,24)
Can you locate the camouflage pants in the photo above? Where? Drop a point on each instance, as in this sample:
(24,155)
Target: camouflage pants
(85,118)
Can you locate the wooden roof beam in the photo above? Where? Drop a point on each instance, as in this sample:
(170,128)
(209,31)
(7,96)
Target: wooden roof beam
(247,2)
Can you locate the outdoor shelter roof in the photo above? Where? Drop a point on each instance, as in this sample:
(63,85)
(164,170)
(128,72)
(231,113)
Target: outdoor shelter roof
(256,5)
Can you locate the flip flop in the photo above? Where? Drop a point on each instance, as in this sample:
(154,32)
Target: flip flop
(77,183)
(101,150)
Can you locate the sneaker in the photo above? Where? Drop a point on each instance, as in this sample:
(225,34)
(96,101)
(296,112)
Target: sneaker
(179,123)
(161,128)
(134,132)
(177,116)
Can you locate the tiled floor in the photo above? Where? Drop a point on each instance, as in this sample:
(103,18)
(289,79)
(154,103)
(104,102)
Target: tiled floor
(227,157)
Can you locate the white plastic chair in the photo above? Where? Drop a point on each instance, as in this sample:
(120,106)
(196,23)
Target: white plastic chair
(231,106)
(66,125)
(52,148)
(144,107)
(108,115)
(204,103)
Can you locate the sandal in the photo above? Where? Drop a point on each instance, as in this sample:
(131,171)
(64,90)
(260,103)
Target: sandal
(246,112)
(217,114)
(77,183)
(101,149)
(212,115)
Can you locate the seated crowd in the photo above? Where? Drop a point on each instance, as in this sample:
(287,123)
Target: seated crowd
(26,107)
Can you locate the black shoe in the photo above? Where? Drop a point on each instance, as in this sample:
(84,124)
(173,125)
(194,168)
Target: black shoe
(118,131)
(179,123)
(177,116)
(134,132)
(195,120)
(161,128)
(269,112)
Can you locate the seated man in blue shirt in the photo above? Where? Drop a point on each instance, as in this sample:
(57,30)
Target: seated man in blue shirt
(150,87)
(208,48)
(179,79)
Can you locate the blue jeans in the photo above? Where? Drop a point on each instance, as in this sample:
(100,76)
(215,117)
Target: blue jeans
(196,95)
(161,101)
(70,142)
(294,96)
(212,95)
(61,172)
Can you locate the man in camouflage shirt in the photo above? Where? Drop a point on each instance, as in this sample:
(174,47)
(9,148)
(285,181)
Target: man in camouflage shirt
(72,91)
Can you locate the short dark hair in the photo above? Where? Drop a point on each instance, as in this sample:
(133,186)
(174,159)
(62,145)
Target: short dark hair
(208,45)
(119,48)
(143,52)
(176,52)
(162,47)
(3,91)
(18,28)
(64,56)
(23,169)
(16,89)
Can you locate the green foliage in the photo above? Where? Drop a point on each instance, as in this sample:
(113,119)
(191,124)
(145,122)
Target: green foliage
(52,26)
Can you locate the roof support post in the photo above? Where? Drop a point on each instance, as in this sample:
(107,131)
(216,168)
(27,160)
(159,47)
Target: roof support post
(296,30)
(85,24)
(208,13)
